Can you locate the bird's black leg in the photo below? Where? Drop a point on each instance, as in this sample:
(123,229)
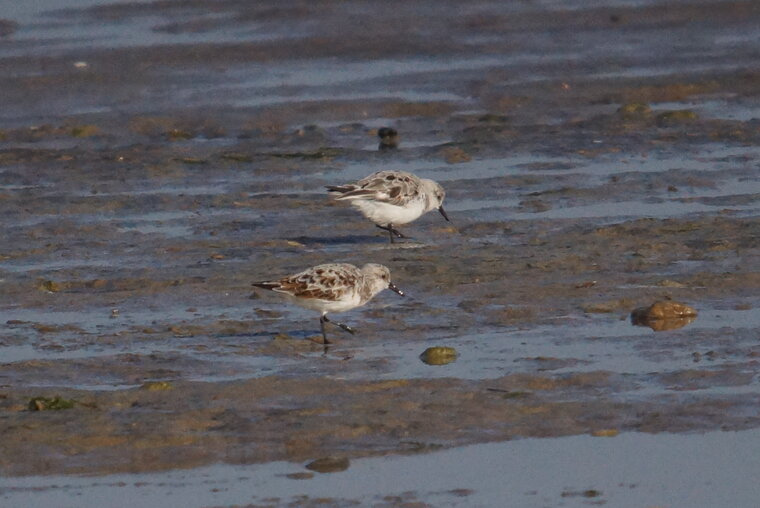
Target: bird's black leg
(392,232)
(342,326)
(322,321)
(388,229)
(346,328)
(396,232)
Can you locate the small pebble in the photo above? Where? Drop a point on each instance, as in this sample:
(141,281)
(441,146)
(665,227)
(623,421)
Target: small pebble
(438,355)
(329,465)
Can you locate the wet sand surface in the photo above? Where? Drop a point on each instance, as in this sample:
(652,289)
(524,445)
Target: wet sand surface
(157,158)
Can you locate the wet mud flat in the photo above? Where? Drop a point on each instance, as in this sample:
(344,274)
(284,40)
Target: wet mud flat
(596,161)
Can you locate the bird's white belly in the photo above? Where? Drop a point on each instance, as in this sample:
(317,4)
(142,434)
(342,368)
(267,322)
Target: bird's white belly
(350,301)
(385,213)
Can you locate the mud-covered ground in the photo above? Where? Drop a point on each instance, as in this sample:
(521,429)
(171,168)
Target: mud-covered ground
(156,158)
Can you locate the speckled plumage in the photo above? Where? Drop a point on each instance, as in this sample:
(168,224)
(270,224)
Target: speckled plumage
(333,287)
(390,198)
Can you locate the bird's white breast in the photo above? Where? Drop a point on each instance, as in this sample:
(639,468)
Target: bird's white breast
(385,213)
(350,299)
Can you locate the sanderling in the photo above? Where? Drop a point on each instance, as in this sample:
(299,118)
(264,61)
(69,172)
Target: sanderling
(333,287)
(390,198)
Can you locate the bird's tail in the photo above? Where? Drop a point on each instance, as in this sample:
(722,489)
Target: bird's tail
(266,285)
(348,192)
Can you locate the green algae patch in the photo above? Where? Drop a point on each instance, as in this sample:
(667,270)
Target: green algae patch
(236,157)
(676,117)
(324,153)
(493,118)
(179,135)
(84,131)
(50,403)
(455,155)
(157,386)
(190,160)
(634,110)
(438,355)
(515,395)
(50,286)
(670,92)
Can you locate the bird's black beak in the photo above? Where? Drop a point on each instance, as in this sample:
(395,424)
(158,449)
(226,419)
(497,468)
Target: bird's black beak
(443,212)
(393,288)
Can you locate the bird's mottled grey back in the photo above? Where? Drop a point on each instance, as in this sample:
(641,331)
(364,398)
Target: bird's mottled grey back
(325,282)
(393,187)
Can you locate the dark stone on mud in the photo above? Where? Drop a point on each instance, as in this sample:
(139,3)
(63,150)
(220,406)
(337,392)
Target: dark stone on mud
(7,27)
(388,138)
(664,310)
(329,465)
(664,315)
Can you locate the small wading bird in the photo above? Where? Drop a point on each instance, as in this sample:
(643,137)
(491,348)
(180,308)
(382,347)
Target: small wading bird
(391,198)
(333,287)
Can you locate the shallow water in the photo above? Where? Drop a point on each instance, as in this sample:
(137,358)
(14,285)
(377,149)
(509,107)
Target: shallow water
(630,470)
(565,345)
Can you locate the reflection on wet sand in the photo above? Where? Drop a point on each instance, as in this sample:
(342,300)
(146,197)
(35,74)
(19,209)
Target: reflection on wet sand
(659,325)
